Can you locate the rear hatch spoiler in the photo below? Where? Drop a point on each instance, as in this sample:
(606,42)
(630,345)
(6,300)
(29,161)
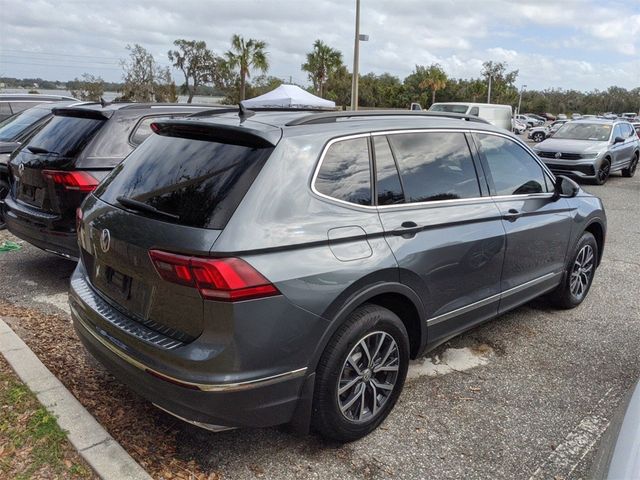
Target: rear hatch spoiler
(264,137)
(83,112)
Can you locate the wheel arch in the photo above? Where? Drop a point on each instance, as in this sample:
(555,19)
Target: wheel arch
(596,229)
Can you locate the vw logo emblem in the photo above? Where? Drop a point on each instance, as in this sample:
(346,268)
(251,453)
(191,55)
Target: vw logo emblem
(558,155)
(105,240)
(21,169)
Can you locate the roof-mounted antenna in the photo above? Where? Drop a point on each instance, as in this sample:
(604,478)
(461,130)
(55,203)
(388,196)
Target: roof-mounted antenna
(245,113)
(103,102)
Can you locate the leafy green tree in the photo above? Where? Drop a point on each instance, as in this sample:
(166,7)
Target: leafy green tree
(196,62)
(90,88)
(338,87)
(434,78)
(503,89)
(322,62)
(144,79)
(244,56)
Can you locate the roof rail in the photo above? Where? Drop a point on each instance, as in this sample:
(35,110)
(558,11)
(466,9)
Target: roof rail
(328,117)
(215,111)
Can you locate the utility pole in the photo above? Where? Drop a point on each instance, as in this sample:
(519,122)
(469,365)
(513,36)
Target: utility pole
(520,98)
(489,91)
(356,59)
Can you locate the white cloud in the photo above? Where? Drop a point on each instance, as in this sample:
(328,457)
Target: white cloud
(571,44)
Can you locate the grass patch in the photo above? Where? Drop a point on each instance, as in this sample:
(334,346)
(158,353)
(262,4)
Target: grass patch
(31,442)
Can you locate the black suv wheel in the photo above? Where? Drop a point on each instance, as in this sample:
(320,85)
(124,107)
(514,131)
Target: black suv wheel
(361,374)
(630,171)
(578,274)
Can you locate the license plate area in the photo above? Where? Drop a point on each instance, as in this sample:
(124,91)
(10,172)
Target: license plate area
(119,282)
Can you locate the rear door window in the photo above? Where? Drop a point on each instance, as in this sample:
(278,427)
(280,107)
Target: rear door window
(345,172)
(511,169)
(435,166)
(66,136)
(199,182)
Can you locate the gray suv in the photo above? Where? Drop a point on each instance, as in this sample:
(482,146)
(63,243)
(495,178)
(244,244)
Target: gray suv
(284,267)
(592,149)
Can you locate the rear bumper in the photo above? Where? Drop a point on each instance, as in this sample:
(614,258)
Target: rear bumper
(36,228)
(190,389)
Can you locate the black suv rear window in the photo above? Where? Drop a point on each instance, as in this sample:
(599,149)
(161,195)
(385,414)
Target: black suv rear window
(66,136)
(200,182)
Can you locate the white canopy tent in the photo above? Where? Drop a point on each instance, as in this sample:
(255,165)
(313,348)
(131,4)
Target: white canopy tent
(288,96)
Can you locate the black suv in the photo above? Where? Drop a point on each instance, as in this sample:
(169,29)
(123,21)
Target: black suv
(284,267)
(57,167)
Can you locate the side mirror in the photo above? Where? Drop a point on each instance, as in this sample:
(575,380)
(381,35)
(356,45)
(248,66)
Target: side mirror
(618,140)
(565,187)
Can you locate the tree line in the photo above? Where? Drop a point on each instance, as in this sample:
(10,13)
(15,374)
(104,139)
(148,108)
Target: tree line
(242,72)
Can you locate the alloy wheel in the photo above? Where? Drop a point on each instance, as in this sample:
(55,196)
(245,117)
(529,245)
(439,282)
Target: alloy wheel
(582,272)
(368,377)
(603,172)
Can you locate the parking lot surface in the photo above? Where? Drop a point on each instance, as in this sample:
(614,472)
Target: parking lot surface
(524,396)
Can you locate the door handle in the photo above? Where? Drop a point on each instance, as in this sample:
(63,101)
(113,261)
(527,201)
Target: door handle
(512,215)
(407,228)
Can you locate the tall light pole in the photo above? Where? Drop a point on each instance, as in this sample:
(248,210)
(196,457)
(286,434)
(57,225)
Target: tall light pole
(520,98)
(489,90)
(356,59)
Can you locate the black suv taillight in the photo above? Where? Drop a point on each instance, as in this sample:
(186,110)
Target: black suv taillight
(77,180)
(222,279)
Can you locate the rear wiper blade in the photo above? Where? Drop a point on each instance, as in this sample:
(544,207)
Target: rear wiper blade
(37,150)
(143,207)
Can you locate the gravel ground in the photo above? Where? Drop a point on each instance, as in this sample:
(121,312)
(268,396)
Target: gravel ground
(545,378)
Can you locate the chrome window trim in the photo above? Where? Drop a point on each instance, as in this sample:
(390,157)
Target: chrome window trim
(485,301)
(205,387)
(461,201)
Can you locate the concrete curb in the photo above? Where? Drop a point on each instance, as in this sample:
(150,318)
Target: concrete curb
(105,456)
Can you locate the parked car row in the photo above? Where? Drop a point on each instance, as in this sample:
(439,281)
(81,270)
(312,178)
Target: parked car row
(13,103)
(261,268)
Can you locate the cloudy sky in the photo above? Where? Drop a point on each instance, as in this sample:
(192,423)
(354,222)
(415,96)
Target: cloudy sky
(581,44)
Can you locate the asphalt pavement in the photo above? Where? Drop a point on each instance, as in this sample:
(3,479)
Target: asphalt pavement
(529,397)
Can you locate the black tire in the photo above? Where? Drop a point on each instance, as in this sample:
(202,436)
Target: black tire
(4,191)
(537,137)
(630,171)
(566,296)
(602,175)
(368,323)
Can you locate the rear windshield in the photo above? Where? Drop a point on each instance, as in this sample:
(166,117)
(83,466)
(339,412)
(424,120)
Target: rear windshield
(66,136)
(199,182)
(12,127)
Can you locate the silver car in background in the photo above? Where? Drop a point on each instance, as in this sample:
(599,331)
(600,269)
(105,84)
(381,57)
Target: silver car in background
(592,149)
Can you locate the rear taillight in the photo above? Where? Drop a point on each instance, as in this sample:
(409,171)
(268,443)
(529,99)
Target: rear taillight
(77,180)
(223,279)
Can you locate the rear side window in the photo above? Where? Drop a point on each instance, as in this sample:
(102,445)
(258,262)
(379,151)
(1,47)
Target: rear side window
(201,182)
(21,106)
(512,169)
(388,183)
(66,136)
(345,172)
(5,109)
(435,166)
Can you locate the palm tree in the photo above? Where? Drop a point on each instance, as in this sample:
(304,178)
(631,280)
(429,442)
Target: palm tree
(321,64)
(245,55)
(434,79)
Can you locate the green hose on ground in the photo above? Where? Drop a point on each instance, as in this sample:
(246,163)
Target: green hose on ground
(8,246)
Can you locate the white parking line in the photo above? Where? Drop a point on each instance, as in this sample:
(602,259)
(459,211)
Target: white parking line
(577,444)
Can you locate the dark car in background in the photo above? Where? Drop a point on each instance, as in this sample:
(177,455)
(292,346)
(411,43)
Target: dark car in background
(12,103)
(66,159)
(284,267)
(14,131)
